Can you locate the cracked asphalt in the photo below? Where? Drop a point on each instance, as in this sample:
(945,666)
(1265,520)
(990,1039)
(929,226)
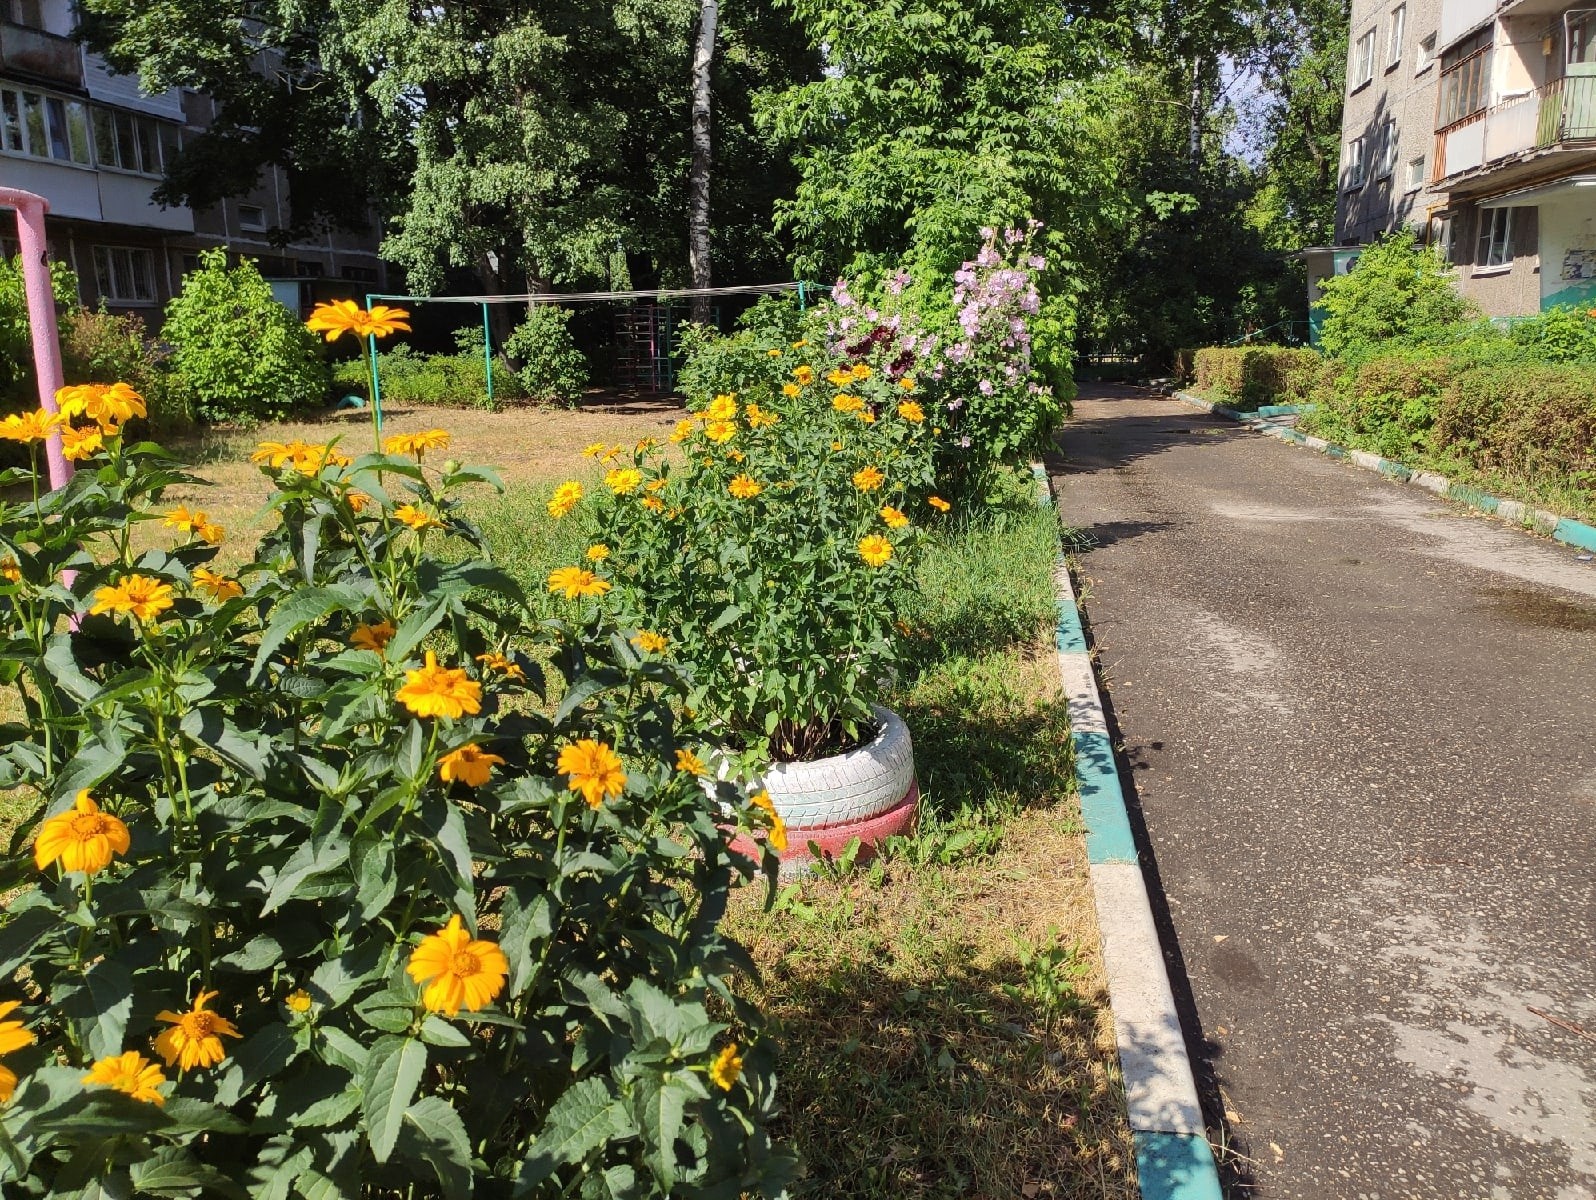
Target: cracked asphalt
(1357,742)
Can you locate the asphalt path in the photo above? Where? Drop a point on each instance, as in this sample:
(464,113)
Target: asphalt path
(1357,726)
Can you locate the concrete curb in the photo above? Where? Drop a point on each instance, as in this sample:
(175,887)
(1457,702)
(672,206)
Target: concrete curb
(1540,520)
(1173,1158)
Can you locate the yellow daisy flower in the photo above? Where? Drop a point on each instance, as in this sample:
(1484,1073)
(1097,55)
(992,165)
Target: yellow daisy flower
(576,582)
(868,479)
(139,596)
(592,769)
(434,691)
(456,970)
(131,1073)
(566,498)
(727,1068)
(875,550)
(195,1037)
(470,765)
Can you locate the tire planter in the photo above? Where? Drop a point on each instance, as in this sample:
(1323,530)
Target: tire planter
(869,793)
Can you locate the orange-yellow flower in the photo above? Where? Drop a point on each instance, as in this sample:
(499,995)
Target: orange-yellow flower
(875,550)
(758,417)
(598,552)
(804,375)
(865,415)
(836,446)
(109,406)
(653,503)
(299,1001)
(338,317)
(727,1068)
(938,503)
(131,1073)
(845,403)
(434,691)
(456,970)
(415,518)
(78,444)
(840,377)
(13,1036)
(592,769)
(195,1037)
(800,343)
(722,407)
(416,443)
(141,596)
(383,320)
(594,450)
(622,480)
(494,661)
(720,431)
(650,642)
(910,410)
(218,587)
(689,763)
(906,383)
(683,431)
(893,517)
(576,582)
(790,389)
(372,637)
(82,839)
(195,522)
(566,497)
(744,487)
(10,569)
(470,765)
(35,426)
(772,353)
(861,371)
(777,835)
(357,501)
(868,479)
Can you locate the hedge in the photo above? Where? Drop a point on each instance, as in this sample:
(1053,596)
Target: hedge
(1249,377)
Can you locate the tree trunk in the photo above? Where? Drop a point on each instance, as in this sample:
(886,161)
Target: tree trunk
(698,178)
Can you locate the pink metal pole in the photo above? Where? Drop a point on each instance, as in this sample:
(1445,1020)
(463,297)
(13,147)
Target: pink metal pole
(41,314)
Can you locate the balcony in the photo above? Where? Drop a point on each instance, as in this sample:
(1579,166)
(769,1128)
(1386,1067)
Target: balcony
(1562,111)
(39,55)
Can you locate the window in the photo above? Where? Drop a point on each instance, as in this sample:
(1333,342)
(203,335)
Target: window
(1441,235)
(1357,162)
(44,126)
(24,12)
(125,275)
(1465,79)
(1580,36)
(1362,61)
(1415,174)
(131,143)
(252,217)
(1399,29)
(1496,240)
(1385,164)
(1426,55)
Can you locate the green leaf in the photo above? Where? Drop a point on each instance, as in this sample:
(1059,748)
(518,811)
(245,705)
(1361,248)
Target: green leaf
(392,1074)
(434,1133)
(172,1171)
(582,1119)
(301,608)
(100,1007)
(659,1108)
(727,615)
(20,933)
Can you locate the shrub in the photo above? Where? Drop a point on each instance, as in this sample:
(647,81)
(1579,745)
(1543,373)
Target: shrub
(239,355)
(1249,377)
(102,347)
(430,380)
(772,550)
(551,368)
(18,384)
(1533,423)
(1399,293)
(396,923)
(1558,335)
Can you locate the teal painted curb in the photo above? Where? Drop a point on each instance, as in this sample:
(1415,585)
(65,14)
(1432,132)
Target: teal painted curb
(1108,831)
(1575,533)
(1567,530)
(1175,1166)
(1071,639)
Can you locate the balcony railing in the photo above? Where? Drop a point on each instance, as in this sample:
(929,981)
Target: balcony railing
(42,55)
(1562,111)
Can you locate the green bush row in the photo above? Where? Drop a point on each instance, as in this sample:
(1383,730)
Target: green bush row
(1249,377)
(450,380)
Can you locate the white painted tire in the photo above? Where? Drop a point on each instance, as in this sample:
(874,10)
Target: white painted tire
(846,788)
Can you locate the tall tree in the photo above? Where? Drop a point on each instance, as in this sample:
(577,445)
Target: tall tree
(698,180)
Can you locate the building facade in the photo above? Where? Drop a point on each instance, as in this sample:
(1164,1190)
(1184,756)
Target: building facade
(1474,122)
(94,144)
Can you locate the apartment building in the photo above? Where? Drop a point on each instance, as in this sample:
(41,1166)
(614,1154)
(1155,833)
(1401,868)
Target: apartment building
(1474,122)
(94,144)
